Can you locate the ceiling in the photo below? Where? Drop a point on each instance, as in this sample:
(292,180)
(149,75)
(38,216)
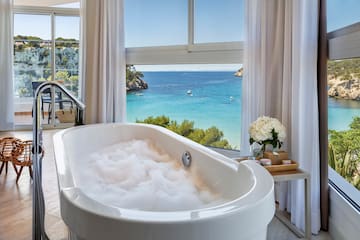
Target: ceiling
(42,3)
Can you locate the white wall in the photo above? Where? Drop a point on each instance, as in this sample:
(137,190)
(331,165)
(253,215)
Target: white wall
(344,220)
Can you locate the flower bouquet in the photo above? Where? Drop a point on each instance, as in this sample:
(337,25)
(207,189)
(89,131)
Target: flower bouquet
(267,131)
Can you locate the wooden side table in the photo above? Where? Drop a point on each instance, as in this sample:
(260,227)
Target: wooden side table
(297,174)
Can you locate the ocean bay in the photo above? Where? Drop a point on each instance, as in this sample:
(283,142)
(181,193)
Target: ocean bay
(215,100)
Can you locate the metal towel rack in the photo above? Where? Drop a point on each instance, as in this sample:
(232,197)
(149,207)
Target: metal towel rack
(38,204)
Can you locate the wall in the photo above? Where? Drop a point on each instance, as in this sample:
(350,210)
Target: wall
(344,219)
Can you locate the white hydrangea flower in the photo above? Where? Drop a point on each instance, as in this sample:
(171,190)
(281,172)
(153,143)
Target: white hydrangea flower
(261,129)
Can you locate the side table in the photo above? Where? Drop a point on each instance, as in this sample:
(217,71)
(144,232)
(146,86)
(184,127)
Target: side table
(298,174)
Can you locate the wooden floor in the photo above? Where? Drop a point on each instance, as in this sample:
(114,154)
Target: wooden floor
(16,204)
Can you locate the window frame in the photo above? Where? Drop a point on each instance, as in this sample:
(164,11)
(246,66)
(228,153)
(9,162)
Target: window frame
(344,43)
(191,53)
(53,12)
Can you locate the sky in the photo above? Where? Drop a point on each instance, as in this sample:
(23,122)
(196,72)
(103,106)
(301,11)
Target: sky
(164,22)
(341,13)
(155,23)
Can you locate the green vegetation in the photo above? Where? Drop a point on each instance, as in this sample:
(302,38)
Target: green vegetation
(32,62)
(344,152)
(134,81)
(210,137)
(346,69)
(131,74)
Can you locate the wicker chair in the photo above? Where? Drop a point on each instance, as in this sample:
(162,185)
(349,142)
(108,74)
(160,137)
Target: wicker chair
(7,145)
(22,156)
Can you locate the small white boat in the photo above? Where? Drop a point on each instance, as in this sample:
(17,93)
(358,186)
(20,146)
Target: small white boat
(189,92)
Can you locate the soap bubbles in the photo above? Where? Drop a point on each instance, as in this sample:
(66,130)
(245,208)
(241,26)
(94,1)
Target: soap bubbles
(138,175)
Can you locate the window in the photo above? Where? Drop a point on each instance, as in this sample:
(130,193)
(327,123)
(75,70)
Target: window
(207,95)
(46,47)
(220,21)
(188,64)
(155,23)
(344,97)
(67,52)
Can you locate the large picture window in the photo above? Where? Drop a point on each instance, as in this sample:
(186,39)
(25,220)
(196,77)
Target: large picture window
(46,47)
(344,97)
(189,64)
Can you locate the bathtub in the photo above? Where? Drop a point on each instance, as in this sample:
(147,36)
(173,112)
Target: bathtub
(248,188)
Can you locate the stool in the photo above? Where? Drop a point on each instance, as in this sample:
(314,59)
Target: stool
(7,145)
(22,156)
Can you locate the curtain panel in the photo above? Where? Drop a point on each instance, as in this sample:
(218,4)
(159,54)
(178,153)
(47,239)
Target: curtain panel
(6,66)
(280,80)
(102,60)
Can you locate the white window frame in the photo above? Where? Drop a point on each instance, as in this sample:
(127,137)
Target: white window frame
(190,53)
(344,43)
(52,12)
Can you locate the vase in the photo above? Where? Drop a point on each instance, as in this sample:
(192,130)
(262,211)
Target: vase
(256,150)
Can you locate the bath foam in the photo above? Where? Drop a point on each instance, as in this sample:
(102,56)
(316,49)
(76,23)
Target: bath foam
(138,175)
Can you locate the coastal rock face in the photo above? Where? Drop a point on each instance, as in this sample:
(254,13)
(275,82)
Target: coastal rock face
(136,85)
(345,89)
(239,72)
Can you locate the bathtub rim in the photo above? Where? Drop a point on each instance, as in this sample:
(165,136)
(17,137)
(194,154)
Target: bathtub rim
(73,195)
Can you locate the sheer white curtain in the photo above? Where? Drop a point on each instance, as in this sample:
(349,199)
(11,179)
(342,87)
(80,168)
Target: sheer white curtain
(280,80)
(6,63)
(103,60)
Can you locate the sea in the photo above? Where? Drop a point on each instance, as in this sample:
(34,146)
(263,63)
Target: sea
(210,99)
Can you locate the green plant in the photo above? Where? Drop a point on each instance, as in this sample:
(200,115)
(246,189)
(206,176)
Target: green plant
(209,137)
(344,152)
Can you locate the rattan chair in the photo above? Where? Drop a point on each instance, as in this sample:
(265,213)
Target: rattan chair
(22,156)
(7,145)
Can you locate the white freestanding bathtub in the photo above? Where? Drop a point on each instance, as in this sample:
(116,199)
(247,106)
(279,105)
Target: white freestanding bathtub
(247,188)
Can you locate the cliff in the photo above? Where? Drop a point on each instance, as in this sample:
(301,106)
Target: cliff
(345,89)
(134,81)
(239,72)
(344,79)
(136,85)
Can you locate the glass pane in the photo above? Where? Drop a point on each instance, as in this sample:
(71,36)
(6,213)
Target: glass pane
(344,119)
(207,95)
(32,59)
(67,52)
(341,13)
(155,23)
(219,21)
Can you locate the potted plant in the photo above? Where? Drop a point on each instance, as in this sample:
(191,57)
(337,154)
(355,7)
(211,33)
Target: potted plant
(267,131)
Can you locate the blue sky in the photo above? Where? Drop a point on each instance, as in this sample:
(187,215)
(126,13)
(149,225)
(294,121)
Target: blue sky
(40,26)
(154,23)
(341,13)
(164,22)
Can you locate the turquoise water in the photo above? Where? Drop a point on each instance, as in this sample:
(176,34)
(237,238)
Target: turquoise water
(215,101)
(341,112)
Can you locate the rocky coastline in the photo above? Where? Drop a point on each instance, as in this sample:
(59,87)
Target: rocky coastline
(344,89)
(239,72)
(136,85)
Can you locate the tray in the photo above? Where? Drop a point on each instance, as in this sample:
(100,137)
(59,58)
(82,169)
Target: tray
(282,167)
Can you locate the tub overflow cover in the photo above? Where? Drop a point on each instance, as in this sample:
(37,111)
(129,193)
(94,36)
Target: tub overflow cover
(186,159)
